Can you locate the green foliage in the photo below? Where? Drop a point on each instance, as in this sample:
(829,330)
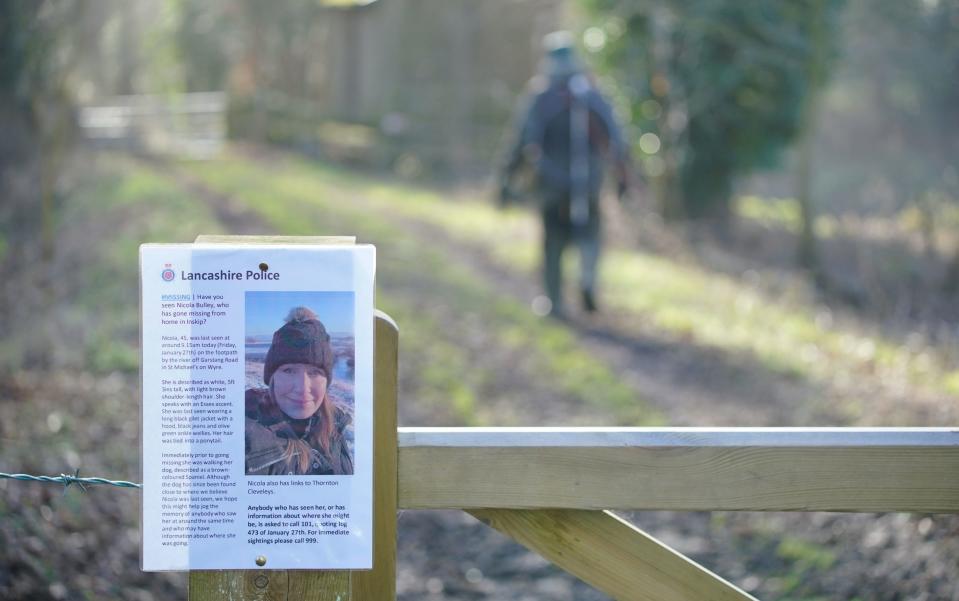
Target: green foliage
(203,35)
(772,212)
(784,214)
(952,383)
(806,555)
(900,73)
(788,567)
(16,40)
(29,31)
(719,83)
(803,559)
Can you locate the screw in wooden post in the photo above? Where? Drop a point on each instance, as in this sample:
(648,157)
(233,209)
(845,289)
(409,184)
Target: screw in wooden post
(261,560)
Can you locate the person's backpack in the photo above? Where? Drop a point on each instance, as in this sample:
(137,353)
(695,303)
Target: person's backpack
(571,127)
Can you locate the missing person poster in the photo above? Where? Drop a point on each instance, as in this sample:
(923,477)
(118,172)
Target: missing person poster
(257,406)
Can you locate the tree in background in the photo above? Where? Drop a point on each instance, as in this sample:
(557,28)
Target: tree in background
(821,27)
(35,115)
(204,35)
(36,121)
(900,134)
(716,87)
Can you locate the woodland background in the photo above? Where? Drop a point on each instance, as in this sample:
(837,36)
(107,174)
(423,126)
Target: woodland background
(791,257)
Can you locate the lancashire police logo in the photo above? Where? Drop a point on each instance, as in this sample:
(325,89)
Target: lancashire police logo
(168,274)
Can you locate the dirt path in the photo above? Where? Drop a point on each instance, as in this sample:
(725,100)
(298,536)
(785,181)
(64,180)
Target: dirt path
(690,384)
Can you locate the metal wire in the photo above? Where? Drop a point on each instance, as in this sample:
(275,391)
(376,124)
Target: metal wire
(66,480)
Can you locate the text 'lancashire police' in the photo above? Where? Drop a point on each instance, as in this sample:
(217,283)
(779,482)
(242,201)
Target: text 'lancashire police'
(229,275)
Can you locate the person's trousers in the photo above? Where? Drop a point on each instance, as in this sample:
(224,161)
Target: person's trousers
(558,233)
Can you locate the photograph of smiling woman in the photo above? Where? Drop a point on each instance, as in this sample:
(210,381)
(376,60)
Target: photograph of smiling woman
(293,426)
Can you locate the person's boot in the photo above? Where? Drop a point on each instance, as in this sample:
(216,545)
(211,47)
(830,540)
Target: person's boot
(589,301)
(558,314)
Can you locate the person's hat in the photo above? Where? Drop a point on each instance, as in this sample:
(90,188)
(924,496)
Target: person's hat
(302,339)
(560,48)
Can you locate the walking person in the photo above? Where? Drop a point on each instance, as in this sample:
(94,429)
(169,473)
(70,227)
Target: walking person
(567,134)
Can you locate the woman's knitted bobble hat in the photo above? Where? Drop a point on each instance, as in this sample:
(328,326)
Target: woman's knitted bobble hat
(302,339)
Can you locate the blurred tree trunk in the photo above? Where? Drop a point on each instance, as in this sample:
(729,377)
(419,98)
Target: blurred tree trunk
(461,113)
(248,79)
(951,281)
(36,36)
(353,49)
(926,204)
(49,162)
(808,251)
(38,48)
(659,52)
(129,49)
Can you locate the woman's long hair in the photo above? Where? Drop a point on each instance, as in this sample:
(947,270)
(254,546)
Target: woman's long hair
(296,457)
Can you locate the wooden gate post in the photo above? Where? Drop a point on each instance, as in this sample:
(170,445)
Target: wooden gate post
(380,582)
(377,584)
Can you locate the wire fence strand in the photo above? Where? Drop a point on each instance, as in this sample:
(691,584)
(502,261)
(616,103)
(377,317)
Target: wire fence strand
(66,480)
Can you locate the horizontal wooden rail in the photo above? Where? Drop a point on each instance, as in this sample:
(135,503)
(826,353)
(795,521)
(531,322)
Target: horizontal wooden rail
(694,469)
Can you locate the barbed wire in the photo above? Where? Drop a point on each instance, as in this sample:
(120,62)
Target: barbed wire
(66,480)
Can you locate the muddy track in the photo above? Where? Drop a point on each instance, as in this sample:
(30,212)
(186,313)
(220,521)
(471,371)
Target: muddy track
(691,385)
(235,217)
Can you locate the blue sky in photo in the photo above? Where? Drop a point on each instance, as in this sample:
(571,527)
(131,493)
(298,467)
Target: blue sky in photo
(265,311)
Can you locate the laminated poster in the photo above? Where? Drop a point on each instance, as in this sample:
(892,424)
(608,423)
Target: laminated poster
(257,406)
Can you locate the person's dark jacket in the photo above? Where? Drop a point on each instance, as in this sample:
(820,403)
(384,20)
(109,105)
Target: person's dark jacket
(269,430)
(544,139)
